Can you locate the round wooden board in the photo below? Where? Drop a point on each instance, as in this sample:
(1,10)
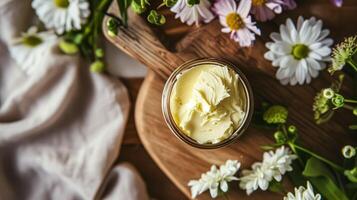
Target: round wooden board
(182,163)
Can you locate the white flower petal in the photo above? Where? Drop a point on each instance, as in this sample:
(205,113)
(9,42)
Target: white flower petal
(281,48)
(324,51)
(224,186)
(275,37)
(244,7)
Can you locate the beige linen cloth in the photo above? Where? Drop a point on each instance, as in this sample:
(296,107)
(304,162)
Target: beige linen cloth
(60,126)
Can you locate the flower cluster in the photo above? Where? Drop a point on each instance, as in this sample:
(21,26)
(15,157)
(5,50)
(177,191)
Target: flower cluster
(300,51)
(274,165)
(235,19)
(216,180)
(303,193)
(343,54)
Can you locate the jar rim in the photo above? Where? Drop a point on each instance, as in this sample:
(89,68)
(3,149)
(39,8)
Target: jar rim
(166,95)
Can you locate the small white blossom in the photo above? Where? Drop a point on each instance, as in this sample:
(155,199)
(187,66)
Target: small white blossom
(278,162)
(254,179)
(302,193)
(215,180)
(274,165)
(199,12)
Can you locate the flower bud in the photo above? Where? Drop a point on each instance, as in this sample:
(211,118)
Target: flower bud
(113,26)
(279,137)
(338,100)
(97,66)
(170,3)
(99,53)
(292,129)
(355,111)
(275,115)
(328,93)
(68,47)
(137,8)
(155,18)
(348,151)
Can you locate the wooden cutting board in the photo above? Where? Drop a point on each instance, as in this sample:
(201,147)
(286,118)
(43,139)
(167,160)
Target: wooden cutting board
(163,49)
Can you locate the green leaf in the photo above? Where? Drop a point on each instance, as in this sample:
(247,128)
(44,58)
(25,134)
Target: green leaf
(351,174)
(321,177)
(277,187)
(296,175)
(123,8)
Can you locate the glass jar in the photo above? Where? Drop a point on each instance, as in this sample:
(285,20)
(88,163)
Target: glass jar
(247,108)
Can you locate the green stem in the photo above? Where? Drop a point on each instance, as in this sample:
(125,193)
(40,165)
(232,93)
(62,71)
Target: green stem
(350,101)
(333,165)
(292,147)
(353,127)
(348,107)
(352,63)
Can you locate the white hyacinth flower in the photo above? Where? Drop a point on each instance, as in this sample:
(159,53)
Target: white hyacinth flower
(193,11)
(253,179)
(62,15)
(29,49)
(274,165)
(216,180)
(303,193)
(300,51)
(278,162)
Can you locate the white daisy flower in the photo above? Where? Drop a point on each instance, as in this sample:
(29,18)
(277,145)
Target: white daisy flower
(29,50)
(216,180)
(303,193)
(300,52)
(62,15)
(237,21)
(274,165)
(193,11)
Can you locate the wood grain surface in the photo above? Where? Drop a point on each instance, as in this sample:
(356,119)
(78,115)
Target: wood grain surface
(181,162)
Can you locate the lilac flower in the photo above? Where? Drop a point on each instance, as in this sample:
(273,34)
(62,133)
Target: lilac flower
(264,10)
(337,3)
(237,21)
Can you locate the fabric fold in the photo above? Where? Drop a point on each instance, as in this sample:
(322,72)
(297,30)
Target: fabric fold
(61,126)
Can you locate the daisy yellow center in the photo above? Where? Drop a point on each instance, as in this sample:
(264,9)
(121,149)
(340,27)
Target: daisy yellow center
(258,2)
(300,51)
(61,3)
(31,40)
(234,21)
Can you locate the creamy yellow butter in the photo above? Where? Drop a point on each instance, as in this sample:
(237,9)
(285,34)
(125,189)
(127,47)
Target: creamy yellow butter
(206,103)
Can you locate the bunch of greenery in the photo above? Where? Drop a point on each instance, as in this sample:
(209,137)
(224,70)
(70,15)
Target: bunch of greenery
(87,39)
(332,180)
